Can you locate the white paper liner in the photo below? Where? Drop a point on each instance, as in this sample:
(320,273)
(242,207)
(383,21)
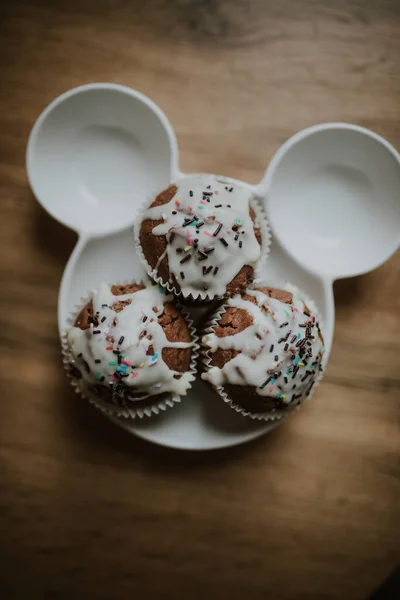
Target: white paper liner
(203,296)
(127,409)
(205,357)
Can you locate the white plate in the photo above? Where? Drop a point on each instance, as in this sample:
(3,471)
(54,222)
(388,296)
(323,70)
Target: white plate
(97,151)
(201,421)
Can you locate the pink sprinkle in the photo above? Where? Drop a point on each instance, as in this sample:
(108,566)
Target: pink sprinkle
(177,202)
(112,378)
(208,233)
(127,363)
(134,375)
(271,390)
(216,192)
(202,202)
(190,240)
(190,208)
(109,348)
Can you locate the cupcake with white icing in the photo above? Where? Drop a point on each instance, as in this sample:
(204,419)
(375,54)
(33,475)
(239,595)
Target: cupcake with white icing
(263,351)
(130,350)
(203,237)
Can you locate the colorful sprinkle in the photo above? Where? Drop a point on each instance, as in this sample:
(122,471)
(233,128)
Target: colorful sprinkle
(113,363)
(216,232)
(134,375)
(141,365)
(98,375)
(208,233)
(188,248)
(109,348)
(155,356)
(185,258)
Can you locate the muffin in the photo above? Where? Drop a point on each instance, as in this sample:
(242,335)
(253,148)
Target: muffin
(131,347)
(263,351)
(202,237)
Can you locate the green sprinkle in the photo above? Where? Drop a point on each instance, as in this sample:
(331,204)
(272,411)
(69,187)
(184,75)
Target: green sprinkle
(98,374)
(286,313)
(239,221)
(112,363)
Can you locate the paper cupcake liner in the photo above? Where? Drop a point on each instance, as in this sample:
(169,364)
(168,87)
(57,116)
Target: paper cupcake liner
(126,408)
(203,296)
(205,357)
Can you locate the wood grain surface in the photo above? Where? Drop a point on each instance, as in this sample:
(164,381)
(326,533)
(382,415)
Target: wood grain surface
(86,511)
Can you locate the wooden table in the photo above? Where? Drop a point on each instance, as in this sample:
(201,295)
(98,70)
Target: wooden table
(87,511)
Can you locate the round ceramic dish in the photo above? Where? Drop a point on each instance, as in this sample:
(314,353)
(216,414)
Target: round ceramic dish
(99,149)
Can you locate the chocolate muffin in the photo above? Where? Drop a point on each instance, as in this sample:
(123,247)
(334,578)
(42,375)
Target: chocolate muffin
(264,352)
(131,347)
(201,237)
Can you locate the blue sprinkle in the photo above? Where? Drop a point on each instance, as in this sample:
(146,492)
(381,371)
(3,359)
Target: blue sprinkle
(155,356)
(272,380)
(298,336)
(122,368)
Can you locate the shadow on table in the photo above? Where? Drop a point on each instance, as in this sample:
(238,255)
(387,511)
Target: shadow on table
(53,238)
(347,292)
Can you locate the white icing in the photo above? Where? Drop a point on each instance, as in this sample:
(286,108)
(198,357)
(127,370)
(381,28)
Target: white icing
(133,329)
(280,353)
(219,252)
